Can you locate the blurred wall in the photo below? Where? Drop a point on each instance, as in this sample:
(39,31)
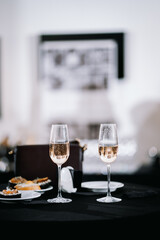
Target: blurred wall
(21,21)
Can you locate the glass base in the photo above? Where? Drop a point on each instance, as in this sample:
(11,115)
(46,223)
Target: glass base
(59,200)
(109,199)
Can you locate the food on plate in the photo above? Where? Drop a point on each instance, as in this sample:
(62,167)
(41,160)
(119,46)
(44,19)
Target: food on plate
(43,182)
(10,193)
(29,185)
(16,180)
(22,183)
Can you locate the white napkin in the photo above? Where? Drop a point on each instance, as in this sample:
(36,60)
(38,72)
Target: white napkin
(67,180)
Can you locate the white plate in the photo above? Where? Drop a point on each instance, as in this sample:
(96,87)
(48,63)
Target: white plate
(28,195)
(44,189)
(39,191)
(96,186)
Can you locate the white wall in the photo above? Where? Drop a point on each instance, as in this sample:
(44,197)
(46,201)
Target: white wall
(21,21)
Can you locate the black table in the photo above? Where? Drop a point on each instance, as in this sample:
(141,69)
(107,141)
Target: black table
(140,204)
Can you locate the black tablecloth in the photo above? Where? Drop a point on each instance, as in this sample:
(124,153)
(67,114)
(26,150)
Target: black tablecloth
(140,204)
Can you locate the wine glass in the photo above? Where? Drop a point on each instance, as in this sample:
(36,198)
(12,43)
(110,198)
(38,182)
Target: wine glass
(108,149)
(59,150)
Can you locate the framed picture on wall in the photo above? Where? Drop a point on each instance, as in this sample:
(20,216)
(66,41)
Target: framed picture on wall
(84,61)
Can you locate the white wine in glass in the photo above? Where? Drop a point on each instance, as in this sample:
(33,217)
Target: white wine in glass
(59,150)
(108,149)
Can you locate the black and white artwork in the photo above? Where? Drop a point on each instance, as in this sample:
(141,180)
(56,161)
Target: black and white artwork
(79,64)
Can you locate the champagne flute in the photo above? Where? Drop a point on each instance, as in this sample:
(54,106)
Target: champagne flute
(59,150)
(108,149)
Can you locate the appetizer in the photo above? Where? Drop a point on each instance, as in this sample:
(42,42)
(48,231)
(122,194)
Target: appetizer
(42,182)
(10,193)
(16,180)
(29,185)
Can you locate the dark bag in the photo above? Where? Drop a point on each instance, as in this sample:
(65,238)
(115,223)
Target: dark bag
(32,161)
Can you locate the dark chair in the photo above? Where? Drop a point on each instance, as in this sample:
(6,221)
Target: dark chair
(32,161)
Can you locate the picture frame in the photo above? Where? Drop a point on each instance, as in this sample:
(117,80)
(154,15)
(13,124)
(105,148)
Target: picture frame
(81,60)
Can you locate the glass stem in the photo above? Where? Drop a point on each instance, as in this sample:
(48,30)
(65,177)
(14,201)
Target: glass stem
(108,178)
(59,182)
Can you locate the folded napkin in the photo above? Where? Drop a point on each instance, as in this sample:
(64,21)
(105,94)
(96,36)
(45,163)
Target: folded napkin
(67,180)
